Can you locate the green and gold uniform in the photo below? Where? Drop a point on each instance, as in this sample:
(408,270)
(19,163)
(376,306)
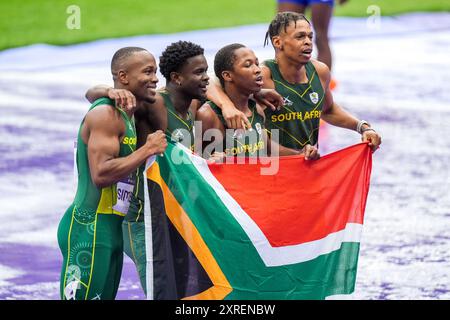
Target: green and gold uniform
(298,121)
(133,227)
(240,143)
(90,233)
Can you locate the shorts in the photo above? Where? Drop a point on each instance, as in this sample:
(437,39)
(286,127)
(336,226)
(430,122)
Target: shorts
(92,248)
(134,247)
(308,2)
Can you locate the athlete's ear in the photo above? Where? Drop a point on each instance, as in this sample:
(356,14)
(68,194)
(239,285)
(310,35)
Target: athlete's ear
(175,77)
(123,77)
(226,75)
(277,43)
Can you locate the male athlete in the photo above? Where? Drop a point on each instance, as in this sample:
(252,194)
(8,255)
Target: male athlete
(304,85)
(321,13)
(238,70)
(90,233)
(184,67)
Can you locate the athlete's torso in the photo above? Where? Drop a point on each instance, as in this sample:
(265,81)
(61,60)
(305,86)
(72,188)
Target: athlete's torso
(113,199)
(180,130)
(298,121)
(239,142)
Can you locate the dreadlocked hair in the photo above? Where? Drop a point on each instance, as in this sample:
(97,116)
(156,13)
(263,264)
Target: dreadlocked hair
(281,22)
(175,56)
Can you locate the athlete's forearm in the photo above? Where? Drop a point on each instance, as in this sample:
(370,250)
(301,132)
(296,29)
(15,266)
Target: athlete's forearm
(279,150)
(216,94)
(113,170)
(97,92)
(337,116)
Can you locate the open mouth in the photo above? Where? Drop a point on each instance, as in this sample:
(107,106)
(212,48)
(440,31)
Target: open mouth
(259,81)
(307,53)
(203,88)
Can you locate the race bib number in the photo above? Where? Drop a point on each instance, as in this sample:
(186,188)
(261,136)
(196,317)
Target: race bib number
(124,191)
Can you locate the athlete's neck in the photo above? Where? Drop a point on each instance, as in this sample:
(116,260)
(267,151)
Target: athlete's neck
(292,72)
(180,100)
(239,99)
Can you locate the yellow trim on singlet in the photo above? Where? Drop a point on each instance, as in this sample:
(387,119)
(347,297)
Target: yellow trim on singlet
(289,135)
(139,211)
(176,116)
(106,202)
(289,88)
(93,256)
(312,77)
(136,192)
(68,253)
(309,87)
(131,242)
(319,102)
(302,144)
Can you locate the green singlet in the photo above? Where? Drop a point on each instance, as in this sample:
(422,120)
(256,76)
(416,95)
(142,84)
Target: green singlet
(298,121)
(242,143)
(90,234)
(133,227)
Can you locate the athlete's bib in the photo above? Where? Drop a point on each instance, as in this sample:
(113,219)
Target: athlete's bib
(125,189)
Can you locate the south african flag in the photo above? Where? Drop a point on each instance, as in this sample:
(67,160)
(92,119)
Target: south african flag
(227,231)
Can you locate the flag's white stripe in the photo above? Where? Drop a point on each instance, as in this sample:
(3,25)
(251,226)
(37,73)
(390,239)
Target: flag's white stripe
(148,233)
(276,256)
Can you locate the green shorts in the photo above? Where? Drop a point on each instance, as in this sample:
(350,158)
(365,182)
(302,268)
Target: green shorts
(134,247)
(92,249)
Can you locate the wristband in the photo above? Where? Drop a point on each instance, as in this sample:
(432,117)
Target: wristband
(360,124)
(367,129)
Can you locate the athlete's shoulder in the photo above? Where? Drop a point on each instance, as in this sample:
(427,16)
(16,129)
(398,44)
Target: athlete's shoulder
(103,110)
(269,62)
(206,109)
(322,69)
(104,117)
(267,75)
(207,115)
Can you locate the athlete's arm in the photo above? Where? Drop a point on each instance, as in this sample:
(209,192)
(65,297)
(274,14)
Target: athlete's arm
(234,118)
(102,130)
(269,98)
(212,129)
(276,149)
(337,116)
(123,98)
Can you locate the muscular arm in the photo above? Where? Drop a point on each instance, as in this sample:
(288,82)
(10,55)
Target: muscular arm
(282,150)
(234,118)
(102,131)
(122,97)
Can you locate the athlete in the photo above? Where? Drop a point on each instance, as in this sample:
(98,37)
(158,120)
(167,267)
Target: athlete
(184,67)
(90,234)
(304,85)
(237,68)
(321,13)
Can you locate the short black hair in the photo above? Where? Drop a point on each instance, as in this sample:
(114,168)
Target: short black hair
(121,55)
(224,60)
(175,56)
(282,21)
